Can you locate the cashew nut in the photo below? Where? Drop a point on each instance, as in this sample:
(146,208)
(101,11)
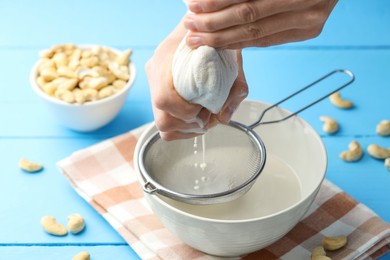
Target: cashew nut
(28,166)
(52,86)
(321,257)
(89,61)
(60,59)
(387,163)
(118,84)
(82,256)
(51,226)
(120,72)
(318,251)
(46,54)
(378,152)
(106,92)
(334,243)
(94,83)
(338,101)
(123,58)
(78,95)
(330,125)
(66,72)
(68,84)
(83,72)
(354,154)
(76,223)
(48,73)
(90,94)
(46,63)
(65,95)
(383,128)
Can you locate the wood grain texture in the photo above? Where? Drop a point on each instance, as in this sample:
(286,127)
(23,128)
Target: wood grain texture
(356,37)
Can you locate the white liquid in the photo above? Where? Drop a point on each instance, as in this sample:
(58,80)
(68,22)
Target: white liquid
(277,188)
(203,164)
(218,174)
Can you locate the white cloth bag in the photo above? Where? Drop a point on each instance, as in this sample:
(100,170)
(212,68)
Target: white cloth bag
(204,75)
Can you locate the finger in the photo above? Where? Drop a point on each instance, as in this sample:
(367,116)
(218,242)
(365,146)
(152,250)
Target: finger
(303,19)
(166,123)
(204,115)
(204,6)
(170,136)
(294,35)
(237,94)
(212,122)
(242,13)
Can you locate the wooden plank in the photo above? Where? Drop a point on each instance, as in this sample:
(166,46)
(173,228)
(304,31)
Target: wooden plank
(66,252)
(26,197)
(34,120)
(366,180)
(124,23)
(271,75)
(49,193)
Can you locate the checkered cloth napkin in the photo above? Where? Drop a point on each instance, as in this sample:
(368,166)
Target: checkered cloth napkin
(103,175)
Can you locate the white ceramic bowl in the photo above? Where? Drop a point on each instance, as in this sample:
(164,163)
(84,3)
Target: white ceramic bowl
(295,168)
(89,116)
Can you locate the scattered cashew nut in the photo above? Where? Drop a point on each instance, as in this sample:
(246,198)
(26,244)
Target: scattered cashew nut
(321,257)
(338,101)
(334,243)
(387,163)
(28,166)
(330,125)
(383,128)
(318,251)
(76,223)
(82,256)
(354,154)
(378,152)
(51,226)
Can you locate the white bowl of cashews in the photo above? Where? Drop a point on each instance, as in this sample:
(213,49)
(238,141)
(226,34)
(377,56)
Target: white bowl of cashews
(294,170)
(84,86)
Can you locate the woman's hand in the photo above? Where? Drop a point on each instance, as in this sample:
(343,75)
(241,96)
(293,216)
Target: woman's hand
(236,24)
(176,118)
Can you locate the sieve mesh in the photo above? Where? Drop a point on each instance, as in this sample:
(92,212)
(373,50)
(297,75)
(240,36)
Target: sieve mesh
(222,160)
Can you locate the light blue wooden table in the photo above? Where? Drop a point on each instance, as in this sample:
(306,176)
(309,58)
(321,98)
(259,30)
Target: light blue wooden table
(356,37)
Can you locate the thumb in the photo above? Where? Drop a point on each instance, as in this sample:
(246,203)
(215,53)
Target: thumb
(238,93)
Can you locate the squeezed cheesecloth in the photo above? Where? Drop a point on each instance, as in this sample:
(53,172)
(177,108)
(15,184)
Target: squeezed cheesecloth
(204,75)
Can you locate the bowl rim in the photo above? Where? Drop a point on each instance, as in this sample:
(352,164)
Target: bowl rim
(37,89)
(315,189)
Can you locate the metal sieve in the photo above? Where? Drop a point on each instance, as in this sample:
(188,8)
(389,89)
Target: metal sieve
(217,167)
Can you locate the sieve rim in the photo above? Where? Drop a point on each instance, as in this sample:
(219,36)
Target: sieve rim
(151,186)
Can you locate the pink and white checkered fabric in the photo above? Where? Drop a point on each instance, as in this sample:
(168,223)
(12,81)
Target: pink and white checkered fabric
(103,175)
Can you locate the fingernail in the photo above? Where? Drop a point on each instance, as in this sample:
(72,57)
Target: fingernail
(195,6)
(194,41)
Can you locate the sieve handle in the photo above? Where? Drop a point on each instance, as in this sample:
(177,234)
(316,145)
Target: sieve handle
(149,188)
(347,72)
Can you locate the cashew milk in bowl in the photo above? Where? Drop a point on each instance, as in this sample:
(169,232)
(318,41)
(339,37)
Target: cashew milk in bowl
(276,189)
